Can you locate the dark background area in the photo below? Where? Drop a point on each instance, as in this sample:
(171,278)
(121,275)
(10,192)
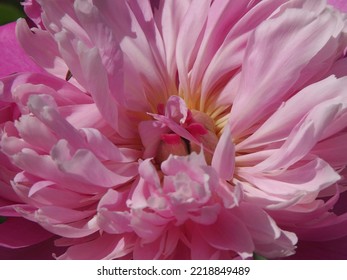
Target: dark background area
(10,10)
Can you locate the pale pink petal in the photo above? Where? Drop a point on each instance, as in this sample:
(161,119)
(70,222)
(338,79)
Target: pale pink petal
(285,243)
(44,193)
(311,177)
(103,37)
(104,149)
(293,110)
(34,132)
(307,132)
(72,230)
(229,56)
(222,16)
(332,150)
(150,134)
(329,228)
(148,42)
(188,40)
(223,156)
(19,87)
(47,57)
(303,214)
(229,233)
(41,251)
(45,108)
(148,226)
(264,227)
(44,167)
(292,28)
(110,216)
(85,115)
(168,17)
(85,166)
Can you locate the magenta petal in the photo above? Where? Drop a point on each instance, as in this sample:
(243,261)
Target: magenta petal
(41,251)
(12,57)
(339,4)
(328,250)
(19,232)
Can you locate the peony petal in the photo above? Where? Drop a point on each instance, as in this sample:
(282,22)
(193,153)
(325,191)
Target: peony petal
(113,216)
(222,15)
(45,193)
(229,56)
(311,177)
(188,40)
(229,233)
(45,108)
(107,246)
(223,157)
(78,229)
(279,125)
(168,17)
(85,166)
(304,135)
(103,37)
(257,94)
(200,249)
(13,58)
(150,134)
(35,133)
(47,57)
(263,227)
(19,233)
(104,149)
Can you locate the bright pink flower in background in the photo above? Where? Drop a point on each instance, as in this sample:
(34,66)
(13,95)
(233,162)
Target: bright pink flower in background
(340,4)
(178,129)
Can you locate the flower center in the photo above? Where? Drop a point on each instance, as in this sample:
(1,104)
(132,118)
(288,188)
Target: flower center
(177,130)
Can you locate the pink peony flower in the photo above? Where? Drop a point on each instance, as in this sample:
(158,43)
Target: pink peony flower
(179,129)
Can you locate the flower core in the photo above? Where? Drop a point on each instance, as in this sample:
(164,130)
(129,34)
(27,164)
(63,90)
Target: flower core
(181,131)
